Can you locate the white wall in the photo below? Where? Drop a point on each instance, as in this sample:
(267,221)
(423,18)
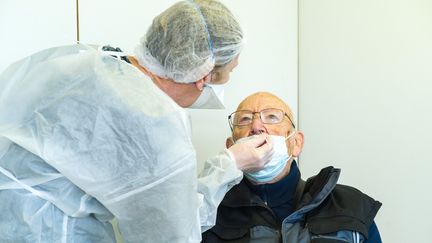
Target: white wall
(365,85)
(30,26)
(118,23)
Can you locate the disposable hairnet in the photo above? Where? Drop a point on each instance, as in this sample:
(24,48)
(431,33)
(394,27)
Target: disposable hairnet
(186,41)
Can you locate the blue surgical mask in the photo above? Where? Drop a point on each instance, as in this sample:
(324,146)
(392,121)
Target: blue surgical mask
(277,163)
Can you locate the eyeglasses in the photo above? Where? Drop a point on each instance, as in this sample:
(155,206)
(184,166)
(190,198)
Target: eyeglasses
(267,116)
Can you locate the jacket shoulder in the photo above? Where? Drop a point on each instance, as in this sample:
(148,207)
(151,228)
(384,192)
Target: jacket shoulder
(346,208)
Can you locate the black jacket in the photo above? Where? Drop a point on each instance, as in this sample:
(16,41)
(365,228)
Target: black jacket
(324,212)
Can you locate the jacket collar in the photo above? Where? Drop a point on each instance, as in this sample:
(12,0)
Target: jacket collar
(280,192)
(248,194)
(315,190)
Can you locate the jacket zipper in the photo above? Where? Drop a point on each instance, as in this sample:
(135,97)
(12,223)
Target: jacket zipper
(265,205)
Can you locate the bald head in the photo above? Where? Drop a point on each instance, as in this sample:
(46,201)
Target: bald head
(256,103)
(264,100)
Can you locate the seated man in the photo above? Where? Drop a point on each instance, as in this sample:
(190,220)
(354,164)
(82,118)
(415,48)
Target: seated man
(274,204)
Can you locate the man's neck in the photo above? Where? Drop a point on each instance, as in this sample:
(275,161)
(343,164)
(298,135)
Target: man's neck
(279,196)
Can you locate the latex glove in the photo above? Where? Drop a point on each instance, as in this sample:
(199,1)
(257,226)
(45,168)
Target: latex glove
(252,154)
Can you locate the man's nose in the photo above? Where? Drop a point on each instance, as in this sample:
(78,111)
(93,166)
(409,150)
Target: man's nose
(257,126)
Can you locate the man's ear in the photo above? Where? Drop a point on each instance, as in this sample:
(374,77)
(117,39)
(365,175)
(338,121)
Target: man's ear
(229,142)
(200,83)
(298,144)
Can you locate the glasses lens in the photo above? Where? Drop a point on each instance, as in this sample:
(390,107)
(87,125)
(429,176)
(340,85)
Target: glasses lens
(242,118)
(272,116)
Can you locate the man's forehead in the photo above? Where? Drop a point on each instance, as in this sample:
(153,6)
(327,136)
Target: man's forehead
(260,101)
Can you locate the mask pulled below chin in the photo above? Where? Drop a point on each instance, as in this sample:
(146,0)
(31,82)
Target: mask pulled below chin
(211,97)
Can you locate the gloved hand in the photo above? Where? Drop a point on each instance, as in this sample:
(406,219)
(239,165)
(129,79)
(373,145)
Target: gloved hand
(253,153)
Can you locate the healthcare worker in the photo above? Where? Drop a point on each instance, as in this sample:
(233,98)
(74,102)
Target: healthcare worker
(86,137)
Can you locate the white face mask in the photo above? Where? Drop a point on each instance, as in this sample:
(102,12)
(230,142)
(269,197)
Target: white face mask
(211,97)
(278,161)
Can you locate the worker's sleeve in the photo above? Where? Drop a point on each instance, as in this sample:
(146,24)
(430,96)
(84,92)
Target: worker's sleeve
(219,175)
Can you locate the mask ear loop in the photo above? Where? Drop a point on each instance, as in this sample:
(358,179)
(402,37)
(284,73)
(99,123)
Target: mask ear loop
(291,135)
